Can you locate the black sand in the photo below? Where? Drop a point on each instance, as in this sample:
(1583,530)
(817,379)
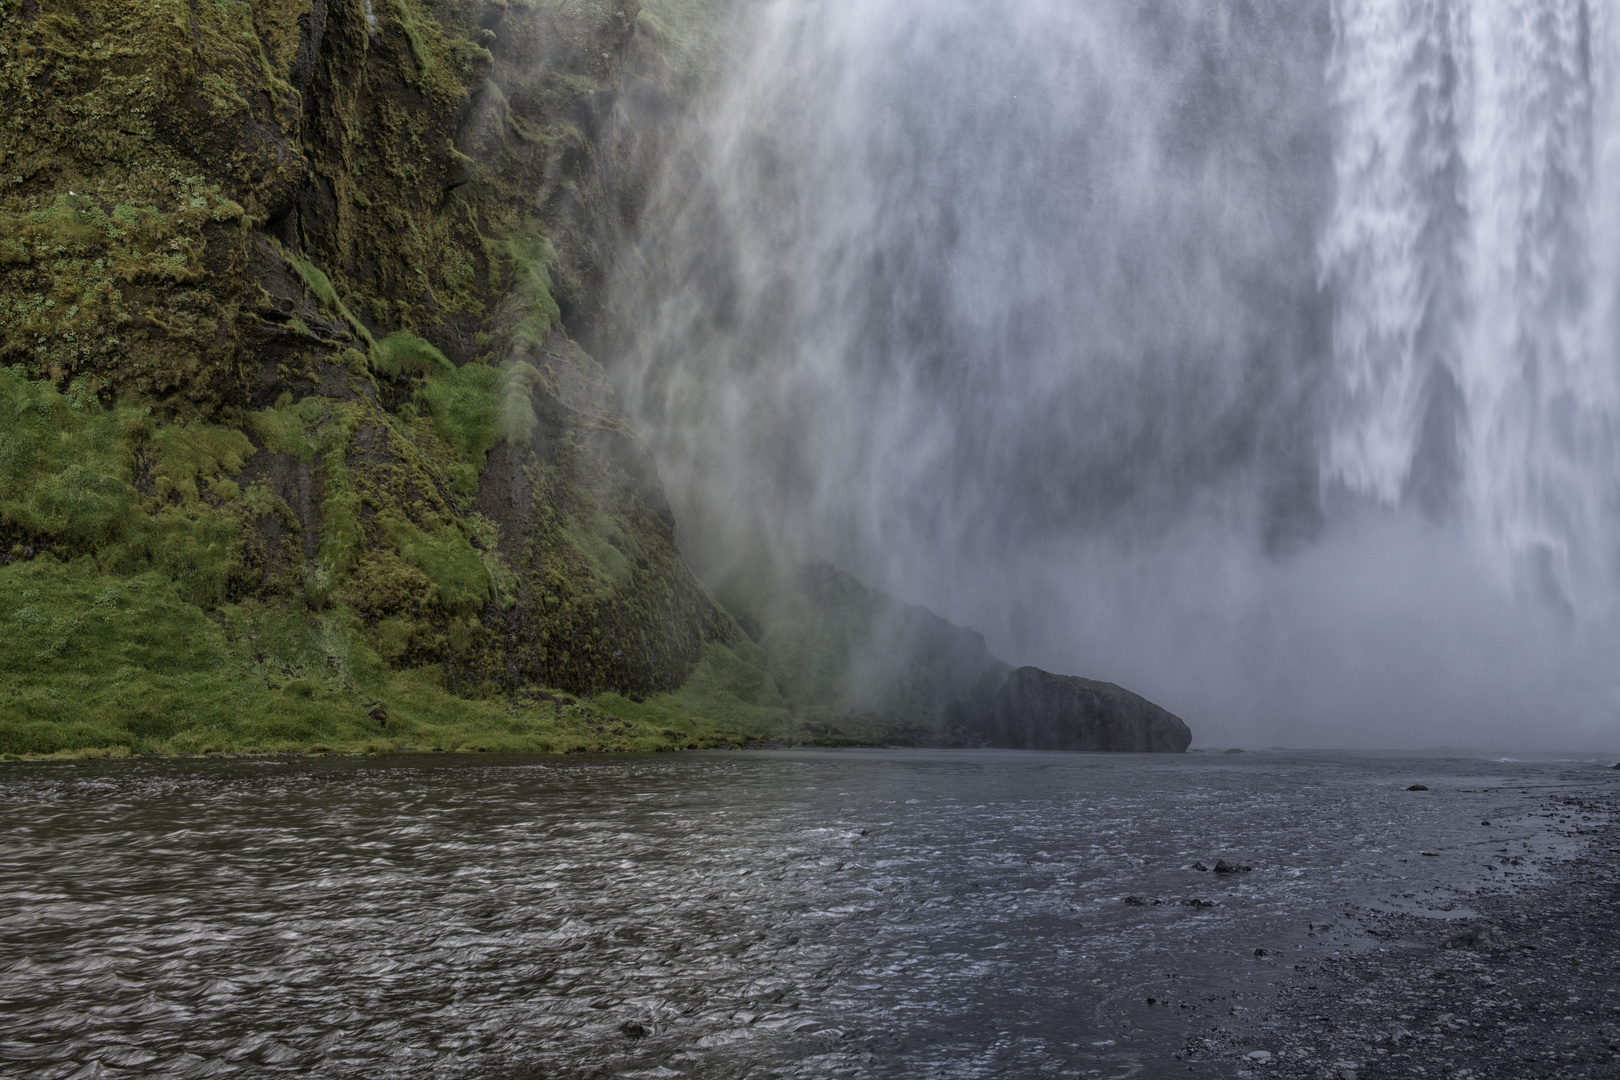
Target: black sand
(1531,989)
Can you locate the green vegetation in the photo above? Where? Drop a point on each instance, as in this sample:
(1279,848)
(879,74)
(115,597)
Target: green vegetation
(119,664)
(123,635)
(295,449)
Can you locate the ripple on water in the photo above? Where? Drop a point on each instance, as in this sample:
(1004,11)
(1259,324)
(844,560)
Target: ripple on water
(712,915)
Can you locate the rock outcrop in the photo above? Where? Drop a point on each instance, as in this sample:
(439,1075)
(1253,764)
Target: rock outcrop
(858,665)
(1030,709)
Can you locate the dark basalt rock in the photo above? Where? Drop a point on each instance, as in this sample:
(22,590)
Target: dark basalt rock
(921,680)
(1030,709)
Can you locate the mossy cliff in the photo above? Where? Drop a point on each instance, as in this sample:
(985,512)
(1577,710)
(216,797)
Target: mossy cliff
(300,447)
(297,443)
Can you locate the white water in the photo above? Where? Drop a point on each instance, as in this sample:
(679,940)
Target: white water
(1262,357)
(1471,252)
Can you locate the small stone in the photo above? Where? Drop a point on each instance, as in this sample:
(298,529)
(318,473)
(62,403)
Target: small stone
(630,1029)
(1259,1055)
(1484,823)
(1260,952)
(1199,866)
(1480,937)
(1136,901)
(1418,787)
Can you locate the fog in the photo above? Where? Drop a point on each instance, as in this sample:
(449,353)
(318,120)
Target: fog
(1259,355)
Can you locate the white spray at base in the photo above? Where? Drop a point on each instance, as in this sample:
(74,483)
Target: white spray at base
(1261,357)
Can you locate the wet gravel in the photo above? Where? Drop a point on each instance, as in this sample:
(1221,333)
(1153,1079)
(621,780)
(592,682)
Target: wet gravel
(1524,986)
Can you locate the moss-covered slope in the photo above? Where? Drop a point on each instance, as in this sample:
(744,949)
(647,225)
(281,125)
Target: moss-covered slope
(295,445)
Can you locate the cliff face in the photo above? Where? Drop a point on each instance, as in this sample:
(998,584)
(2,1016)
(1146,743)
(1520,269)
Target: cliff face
(299,446)
(287,291)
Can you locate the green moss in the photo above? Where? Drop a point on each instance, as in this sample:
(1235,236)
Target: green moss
(128,662)
(128,187)
(342,535)
(520,265)
(465,405)
(418,36)
(67,483)
(321,287)
(728,697)
(307,430)
(461,581)
(65,469)
(119,664)
(183,456)
(406,354)
(200,554)
(476,406)
(520,382)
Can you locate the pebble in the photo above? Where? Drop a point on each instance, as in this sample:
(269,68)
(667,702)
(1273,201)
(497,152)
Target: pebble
(1525,990)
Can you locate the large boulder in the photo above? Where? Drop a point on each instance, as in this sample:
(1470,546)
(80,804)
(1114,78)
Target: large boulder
(858,665)
(1030,709)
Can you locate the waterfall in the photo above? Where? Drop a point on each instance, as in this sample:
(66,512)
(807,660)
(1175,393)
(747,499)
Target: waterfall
(1259,355)
(1471,258)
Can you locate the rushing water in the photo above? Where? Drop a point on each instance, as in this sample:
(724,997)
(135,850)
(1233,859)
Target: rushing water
(1472,251)
(1260,355)
(862,914)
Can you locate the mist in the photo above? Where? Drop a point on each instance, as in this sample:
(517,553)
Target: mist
(1261,356)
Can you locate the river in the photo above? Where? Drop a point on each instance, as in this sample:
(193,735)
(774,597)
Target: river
(721,914)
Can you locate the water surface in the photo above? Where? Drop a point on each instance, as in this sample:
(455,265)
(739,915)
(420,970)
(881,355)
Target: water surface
(803,913)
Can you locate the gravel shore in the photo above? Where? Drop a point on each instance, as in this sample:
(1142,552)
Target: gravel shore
(1528,989)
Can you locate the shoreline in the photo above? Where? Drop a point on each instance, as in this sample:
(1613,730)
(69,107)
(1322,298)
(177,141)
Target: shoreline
(1524,990)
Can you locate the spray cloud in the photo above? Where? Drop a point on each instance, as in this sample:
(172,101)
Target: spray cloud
(1260,356)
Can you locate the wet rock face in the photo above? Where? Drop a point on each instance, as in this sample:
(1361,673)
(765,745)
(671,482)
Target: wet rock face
(1032,709)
